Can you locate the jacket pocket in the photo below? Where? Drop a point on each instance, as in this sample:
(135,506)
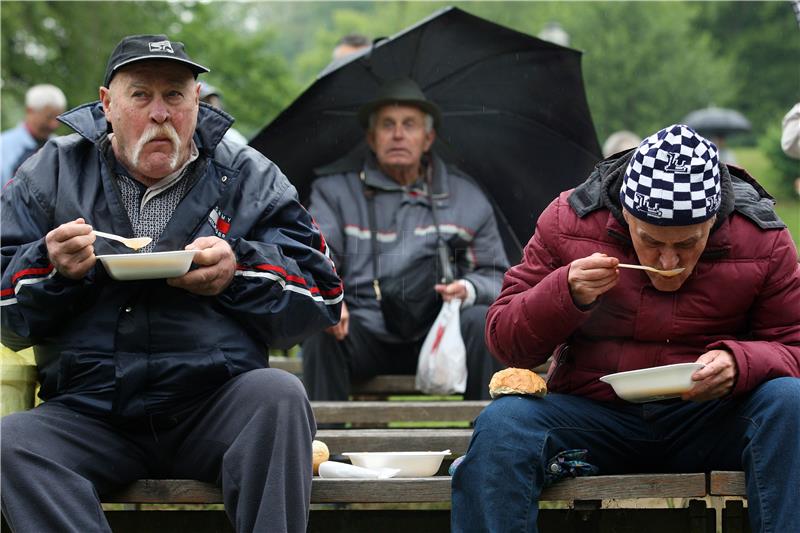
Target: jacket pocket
(86,372)
(173,377)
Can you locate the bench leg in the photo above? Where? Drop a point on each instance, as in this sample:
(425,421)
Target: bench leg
(734,517)
(700,519)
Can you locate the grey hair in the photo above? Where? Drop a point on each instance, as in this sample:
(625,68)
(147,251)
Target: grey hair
(373,115)
(45,95)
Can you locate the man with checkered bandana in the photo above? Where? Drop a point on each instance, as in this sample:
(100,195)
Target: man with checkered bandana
(735,307)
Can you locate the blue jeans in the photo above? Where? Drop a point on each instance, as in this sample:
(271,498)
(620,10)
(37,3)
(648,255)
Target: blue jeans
(497,486)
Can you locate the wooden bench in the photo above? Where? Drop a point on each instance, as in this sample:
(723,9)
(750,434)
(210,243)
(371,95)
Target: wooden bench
(379,386)
(584,494)
(370,505)
(380,412)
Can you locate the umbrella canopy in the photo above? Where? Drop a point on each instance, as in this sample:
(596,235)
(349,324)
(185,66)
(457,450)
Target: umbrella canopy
(514,113)
(717,121)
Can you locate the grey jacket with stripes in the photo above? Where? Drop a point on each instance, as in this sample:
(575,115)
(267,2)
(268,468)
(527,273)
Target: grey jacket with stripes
(406,234)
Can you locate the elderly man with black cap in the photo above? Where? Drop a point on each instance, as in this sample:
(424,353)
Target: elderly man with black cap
(734,307)
(406,231)
(158,377)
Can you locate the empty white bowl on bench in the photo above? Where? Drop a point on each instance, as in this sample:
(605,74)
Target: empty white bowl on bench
(410,464)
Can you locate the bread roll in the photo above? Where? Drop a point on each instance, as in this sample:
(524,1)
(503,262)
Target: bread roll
(320,454)
(517,381)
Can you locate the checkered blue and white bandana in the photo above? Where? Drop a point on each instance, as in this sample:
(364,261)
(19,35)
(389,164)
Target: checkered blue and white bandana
(673,178)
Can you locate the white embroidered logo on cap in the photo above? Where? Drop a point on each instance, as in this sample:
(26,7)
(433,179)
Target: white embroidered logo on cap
(161,46)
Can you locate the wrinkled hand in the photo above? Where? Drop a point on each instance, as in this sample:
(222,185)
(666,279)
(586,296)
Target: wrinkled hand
(340,330)
(714,380)
(70,248)
(217,264)
(592,276)
(457,289)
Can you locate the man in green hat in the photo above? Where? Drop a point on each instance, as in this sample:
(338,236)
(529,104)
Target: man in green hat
(406,231)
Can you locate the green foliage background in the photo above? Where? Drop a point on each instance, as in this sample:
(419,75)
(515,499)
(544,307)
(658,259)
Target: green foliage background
(645,64)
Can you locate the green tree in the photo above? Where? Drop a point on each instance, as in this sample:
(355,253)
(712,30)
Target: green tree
(253,78)
(66,44)
(762,42)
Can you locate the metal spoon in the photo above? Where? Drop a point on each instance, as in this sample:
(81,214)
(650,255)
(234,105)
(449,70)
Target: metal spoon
(665,273)
(134,243)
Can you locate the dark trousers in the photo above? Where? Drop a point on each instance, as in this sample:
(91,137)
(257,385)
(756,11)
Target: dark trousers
(330,366)
(252,437)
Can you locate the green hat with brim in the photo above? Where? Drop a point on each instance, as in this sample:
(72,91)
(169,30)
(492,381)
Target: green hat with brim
(402,91)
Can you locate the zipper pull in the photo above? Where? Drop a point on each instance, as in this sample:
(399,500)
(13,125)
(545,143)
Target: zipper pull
(377,286)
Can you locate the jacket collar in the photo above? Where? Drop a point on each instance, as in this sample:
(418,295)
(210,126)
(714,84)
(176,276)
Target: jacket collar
(89,121)
(375,178)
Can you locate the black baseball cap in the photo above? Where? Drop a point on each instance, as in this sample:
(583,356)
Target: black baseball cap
(135,48)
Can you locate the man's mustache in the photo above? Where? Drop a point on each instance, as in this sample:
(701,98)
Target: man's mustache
(155,132)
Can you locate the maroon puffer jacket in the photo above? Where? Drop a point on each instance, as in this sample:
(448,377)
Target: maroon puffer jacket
(743,296)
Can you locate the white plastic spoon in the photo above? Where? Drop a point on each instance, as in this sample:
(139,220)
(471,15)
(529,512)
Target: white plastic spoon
(134,243)
(665,273)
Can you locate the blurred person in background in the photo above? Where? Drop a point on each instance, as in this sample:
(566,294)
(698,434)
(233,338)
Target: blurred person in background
(790,138)
(382,218)
(350,44)
(43,104)
(790,132)
(620,141)
(344,48)
(211,95)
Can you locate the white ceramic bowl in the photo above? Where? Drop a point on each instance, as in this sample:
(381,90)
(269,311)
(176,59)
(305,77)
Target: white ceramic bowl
(125,267)
(651,384)
(410,464)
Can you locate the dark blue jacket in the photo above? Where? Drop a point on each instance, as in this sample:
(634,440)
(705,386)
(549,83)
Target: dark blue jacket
(136,348)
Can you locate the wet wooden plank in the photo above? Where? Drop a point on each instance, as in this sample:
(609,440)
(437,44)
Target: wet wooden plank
(369,412)
(726,483)
(427,489)
(395,440)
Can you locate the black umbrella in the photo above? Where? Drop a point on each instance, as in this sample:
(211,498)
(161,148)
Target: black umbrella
(717,121)
(514,111)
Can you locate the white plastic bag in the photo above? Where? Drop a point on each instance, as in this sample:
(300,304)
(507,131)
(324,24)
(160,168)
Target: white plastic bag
(442,365)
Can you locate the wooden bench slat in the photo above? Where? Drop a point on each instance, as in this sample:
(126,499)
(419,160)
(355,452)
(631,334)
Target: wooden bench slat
(427,489)
(379,385)
(386,384)
(295,364)
(628,486)
(166,491)
(290,364)
(394,490)
(381,412)
(395,440)
(726,483)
